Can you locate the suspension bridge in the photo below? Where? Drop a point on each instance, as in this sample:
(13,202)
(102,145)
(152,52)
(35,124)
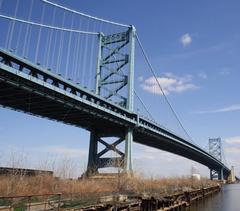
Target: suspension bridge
(67,66)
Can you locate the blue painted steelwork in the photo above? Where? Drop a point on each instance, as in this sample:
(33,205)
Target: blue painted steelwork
(27,87)
(111,75)
(111,78)
(215,149)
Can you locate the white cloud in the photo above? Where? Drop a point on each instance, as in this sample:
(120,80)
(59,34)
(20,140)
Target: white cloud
(232,150)
(225,72)
(186,39)
(170,83)
(202,75)
(230,108)
(62,150)
(149,153)
(233,140)
(152,162)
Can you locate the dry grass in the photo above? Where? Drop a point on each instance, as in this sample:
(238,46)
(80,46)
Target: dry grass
(25,185)
(17,185)
(13,185)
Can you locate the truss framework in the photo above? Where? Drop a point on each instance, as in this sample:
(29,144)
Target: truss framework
(113,74)
(216,174)
(215,148)
(98,158)
(114,81)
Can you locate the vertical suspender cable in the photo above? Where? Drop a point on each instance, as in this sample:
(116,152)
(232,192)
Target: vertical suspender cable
(61,46)
(80,58)
(29,42)
(18,40)
(55,34)
(69,50)
(27,38)
(12,26)
(144,106)
(77,54)
(85,56)
(51,32)
(39,35)
(45,47)
(7,37)
(91,61)
(75,36)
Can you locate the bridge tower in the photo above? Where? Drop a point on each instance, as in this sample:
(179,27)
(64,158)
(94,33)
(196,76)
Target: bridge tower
(232,176)
(114,82)
(215,149)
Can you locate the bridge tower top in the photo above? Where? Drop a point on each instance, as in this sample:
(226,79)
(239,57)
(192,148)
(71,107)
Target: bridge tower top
(215,148)
(115,67)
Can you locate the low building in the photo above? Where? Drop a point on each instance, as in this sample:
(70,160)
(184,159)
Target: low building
(5,171)
(196,176)
(195,173)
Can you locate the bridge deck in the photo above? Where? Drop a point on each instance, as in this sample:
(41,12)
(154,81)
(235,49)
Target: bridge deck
(27,87)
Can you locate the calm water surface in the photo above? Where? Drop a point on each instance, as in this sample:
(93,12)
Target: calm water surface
(226,200)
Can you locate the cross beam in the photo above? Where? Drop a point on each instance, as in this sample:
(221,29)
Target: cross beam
(97,158)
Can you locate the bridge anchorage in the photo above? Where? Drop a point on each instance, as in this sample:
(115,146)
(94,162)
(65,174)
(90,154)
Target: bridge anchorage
(115,72)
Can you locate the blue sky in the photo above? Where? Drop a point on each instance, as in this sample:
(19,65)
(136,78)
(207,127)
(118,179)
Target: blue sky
(194,47)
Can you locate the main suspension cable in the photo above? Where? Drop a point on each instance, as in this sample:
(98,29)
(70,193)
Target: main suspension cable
(85,15)
(160,87)
(48,26)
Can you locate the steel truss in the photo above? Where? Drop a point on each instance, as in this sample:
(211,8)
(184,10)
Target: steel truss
(215,149)
(216,174)
(97,158)
(114,81)
(113,75)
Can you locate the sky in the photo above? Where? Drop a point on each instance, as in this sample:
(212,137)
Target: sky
(194,47)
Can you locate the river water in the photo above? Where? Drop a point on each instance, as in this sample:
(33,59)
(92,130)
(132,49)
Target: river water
(228,199)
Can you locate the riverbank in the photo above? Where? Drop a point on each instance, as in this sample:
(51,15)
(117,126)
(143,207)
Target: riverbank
(117,202)
(119,191)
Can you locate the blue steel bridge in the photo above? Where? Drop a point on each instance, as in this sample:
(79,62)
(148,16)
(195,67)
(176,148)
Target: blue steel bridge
(61,64)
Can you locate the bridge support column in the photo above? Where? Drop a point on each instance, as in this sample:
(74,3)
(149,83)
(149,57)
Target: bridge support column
(128,151)
(232,177)
(216,174)
(220,174)
(92,156)
(213,174)
(98,158)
